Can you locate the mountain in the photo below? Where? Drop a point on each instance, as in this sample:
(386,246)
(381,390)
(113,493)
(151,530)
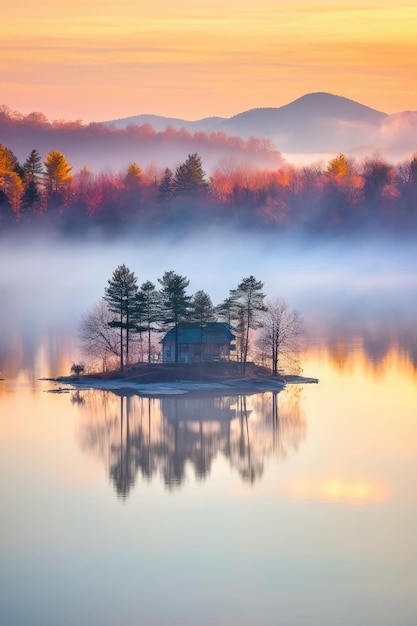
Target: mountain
(160,123)
(316,123)
(315,126)
(101,148)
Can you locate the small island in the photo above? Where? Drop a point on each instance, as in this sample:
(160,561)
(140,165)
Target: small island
(185,344)
(217,378)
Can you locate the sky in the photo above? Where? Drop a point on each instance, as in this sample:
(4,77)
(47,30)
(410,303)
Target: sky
(95,60)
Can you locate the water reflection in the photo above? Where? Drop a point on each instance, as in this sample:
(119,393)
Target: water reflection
(375,342)
(51,354)
(46,354)
(164,438)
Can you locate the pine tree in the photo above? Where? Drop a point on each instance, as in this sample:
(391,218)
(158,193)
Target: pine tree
(166,186)
(32,167)
(202,309)
(121,297)
(189,176)
(249,302)
(226,310)
(150,311)
(31,198)
(413,168)
(174,302)
(202,312)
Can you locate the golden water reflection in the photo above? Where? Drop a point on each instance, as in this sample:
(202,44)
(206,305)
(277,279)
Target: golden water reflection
(340,489)
(164,438)
(374,344)
(374,337)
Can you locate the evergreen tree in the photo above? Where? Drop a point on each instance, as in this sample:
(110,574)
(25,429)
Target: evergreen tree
(149,303)
(226,310)
(31,198)
(202,312)
(174,302)
(249,302)
(189,176)
(413,168)
(121,297)
(32,167)
(166,186)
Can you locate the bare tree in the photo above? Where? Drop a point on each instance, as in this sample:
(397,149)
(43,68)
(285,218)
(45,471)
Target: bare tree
(99,341)
(281,334)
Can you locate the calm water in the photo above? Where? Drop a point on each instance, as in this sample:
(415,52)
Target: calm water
(295,509)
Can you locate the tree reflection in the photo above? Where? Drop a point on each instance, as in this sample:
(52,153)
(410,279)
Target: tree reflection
(374,339)
(77,398)
(244,456)
(165,438)
(122,462)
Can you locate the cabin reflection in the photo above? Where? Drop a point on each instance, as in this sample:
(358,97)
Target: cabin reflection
(197,409)
(170,438)
(31,350)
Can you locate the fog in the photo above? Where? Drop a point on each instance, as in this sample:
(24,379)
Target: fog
(47,283)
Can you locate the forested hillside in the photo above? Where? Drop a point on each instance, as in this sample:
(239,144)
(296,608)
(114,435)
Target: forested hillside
(343,195)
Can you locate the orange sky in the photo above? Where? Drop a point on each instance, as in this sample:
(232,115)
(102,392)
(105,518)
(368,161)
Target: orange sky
(98,60)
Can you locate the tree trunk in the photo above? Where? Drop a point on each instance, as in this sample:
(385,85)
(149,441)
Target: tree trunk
(176,339)
(121,348)
(127,336)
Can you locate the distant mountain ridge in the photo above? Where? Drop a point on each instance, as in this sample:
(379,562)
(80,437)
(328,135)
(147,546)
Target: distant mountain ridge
(312,128)
(160,123)
(316,122)
(319,104)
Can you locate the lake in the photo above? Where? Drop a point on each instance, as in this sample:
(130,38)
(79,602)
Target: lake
(295,508)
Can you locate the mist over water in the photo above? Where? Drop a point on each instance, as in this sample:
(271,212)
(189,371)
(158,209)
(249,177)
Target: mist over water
(256,501)
(47,284)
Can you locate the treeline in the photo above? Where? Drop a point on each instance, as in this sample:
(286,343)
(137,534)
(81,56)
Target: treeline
(103,147)
(129,313)
(340,196)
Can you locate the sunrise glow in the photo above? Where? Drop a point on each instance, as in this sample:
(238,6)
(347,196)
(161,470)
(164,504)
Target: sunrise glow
(95,61)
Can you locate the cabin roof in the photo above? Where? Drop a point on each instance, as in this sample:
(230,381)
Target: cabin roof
(189,332)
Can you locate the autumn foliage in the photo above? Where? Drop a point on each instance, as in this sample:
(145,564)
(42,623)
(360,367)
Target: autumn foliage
(341,196)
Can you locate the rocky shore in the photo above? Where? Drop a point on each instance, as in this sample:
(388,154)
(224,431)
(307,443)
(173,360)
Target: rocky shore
(161,380)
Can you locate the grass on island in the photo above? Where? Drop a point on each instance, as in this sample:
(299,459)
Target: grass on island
(158,372)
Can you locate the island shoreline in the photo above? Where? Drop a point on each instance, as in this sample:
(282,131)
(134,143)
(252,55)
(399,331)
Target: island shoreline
(220,387)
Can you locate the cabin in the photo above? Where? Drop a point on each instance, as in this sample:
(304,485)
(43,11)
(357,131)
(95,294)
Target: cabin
(196,344)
